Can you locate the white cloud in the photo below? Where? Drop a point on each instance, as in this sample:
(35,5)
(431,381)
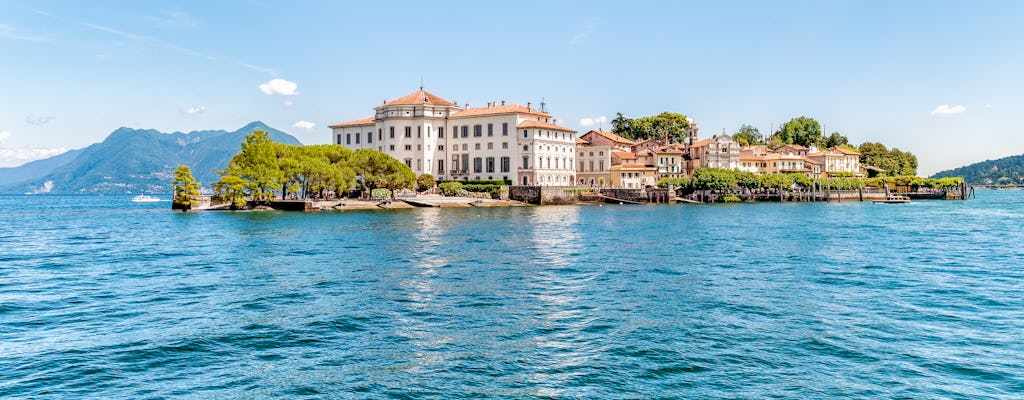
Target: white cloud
(988,105)
(304,125)
(39,121)
(4,135)
(194,110)
(945,109)
(17,156)
(279,86)
(595,121)
(287,103)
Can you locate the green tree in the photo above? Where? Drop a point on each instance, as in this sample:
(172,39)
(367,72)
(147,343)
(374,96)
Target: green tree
(802,130)
(425,182)
(713,179)
(257,164)
(747,180)
(230,189)
(748,136)
(621,124)
(380,170)
(776,181)
(185,187)
(895,162)
(835,140)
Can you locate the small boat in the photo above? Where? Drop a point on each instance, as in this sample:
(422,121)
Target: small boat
(893,199)
(144,199)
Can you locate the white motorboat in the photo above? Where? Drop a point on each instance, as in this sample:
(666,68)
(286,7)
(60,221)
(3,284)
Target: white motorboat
(144,199)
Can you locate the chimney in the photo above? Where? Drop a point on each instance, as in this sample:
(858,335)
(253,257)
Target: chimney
(467,105)
(528,104)
(503,102)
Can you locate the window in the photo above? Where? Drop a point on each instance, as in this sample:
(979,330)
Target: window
(478,130)
(419,131)
(358,135)
(465,131)
(490,165)
(591,165)
(526,133)
(591,154)
(455,131)
(504,145)
(490,146)
(465,146)
(348,138)
(338,138)
(504,129)
(440,132)
(392,147)
(581,166)
(600,165)
(478,164)
(440,166)
(419,164)
(419,147)
(380,134)
(476,146)
(408,162)
(526,162)
(506,164)
(408,147)
(526,147)
(465,163)
(408,132)
(391,131)
(455,162)
(369,137)
(440,147)
(490,129)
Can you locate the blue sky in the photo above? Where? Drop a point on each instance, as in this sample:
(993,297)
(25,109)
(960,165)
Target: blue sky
(939,79)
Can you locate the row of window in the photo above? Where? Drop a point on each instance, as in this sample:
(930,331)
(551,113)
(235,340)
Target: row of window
(549,135)
(599,153)
(600,166)
(478,130)
(480,164)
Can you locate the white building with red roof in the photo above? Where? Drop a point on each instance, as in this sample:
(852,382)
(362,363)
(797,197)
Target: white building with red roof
(432,135)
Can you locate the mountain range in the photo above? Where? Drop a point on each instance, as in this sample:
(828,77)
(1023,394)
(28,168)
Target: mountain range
(132,161)
(1006,170)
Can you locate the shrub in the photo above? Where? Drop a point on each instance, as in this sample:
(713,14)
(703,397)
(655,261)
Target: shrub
(380,194)
(450,188)
(425,182)
(729,198)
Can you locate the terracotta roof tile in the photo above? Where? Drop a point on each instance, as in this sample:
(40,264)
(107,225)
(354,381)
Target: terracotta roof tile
(505,109)
(611,136)
(625,155)
(632,166)
(581,141)
(420,97)
(543,125)
(358,122)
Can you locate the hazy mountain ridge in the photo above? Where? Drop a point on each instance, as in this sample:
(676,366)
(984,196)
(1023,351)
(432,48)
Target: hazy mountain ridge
(1005,170)
(133,161)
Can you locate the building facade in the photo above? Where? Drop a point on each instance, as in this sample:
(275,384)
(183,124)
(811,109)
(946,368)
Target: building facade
(435,136)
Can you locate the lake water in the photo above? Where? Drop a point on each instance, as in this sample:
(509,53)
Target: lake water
(104,298)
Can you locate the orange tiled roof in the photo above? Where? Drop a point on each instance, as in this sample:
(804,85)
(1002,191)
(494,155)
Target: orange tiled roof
(847,151)
(632,166)
(611,136)
(581,141)
(358,122)
(420,97)
(625,155)
(543,125)
(703,142)
(505,109)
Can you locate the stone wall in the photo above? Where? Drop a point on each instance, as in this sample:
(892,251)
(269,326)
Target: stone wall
(545,195)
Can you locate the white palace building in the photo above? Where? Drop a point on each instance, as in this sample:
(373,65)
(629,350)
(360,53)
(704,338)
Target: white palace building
(435,136)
